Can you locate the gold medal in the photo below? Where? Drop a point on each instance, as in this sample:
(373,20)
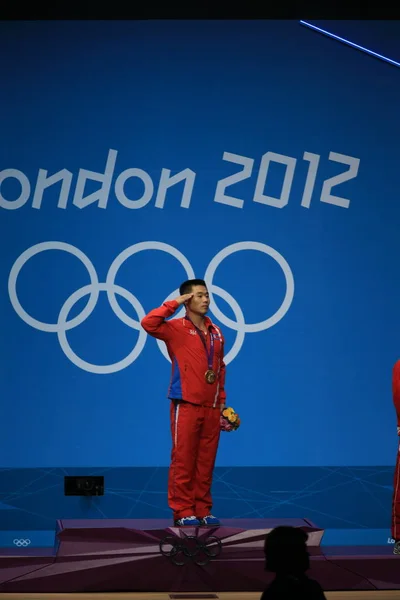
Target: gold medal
(210,376)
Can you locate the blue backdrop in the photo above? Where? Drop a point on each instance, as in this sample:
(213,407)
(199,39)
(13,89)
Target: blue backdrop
(260,155)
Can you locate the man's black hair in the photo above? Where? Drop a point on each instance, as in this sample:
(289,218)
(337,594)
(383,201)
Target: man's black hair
(186,286)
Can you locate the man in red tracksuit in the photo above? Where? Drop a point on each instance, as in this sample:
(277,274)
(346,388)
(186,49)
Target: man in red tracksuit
(396,490)
(196,348)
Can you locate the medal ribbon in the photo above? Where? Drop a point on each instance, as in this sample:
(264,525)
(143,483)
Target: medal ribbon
(210,355)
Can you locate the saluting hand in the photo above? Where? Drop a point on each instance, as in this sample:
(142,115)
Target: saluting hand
(184,298)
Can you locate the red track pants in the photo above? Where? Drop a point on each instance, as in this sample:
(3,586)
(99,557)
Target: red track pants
(195,436)
(396,499)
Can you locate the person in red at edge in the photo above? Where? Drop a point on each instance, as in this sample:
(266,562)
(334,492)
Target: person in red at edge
(197,393)
(396,487)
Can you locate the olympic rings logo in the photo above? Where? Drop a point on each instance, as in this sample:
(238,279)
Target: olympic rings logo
(190,548)
(21,543)
(113,290)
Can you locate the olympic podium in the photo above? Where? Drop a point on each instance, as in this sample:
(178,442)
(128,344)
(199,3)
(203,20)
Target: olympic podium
(151,556)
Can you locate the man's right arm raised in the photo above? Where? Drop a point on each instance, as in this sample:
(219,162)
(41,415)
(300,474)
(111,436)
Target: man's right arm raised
(155,324)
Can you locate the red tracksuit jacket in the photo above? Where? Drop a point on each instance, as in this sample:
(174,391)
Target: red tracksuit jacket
(188,356)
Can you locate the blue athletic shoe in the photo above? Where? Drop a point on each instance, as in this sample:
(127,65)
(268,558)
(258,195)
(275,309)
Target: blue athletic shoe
(187,522)
(209,520)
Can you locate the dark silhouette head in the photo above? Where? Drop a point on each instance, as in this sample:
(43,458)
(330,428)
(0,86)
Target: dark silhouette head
(286,551)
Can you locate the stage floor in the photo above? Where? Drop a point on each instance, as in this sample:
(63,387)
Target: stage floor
(141,556)
(353,595)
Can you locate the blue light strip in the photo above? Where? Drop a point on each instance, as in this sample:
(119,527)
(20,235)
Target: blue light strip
(336,37)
